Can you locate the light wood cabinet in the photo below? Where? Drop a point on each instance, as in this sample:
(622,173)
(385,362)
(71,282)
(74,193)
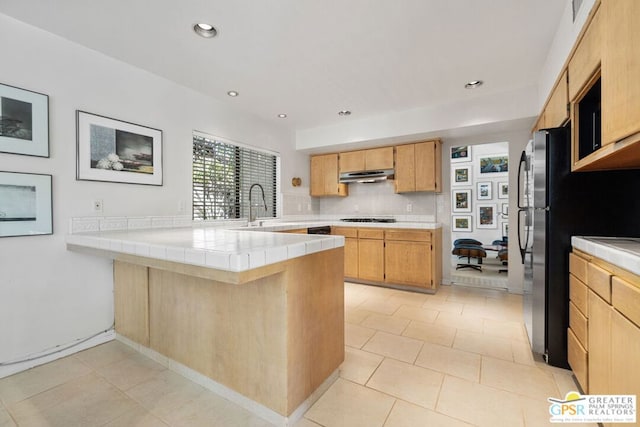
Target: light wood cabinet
(620,71)
(419,167)
(366,160)
(599,345)
(371,259)
(408,263)
(608,362)
(586,58)
(557,111)
(324,176)
(350,250)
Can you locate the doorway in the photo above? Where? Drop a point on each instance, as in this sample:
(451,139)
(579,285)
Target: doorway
(480,214)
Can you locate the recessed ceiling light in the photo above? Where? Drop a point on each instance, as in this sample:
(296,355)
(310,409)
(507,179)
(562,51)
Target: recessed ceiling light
(233,93)
(205,30)
(344,113)
(473,84)
(282,116)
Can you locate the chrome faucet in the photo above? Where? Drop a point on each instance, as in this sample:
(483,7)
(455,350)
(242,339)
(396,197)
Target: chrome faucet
(252,213)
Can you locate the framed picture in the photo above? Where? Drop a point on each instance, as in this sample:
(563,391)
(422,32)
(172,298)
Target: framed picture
(505,209)
(484,191)
(503,190)
(116,151)
(25,204)
(461,200)
(486,217)
(461,175)
(505,228)
(24,122)
(461,223)
(497,163)
(461,154)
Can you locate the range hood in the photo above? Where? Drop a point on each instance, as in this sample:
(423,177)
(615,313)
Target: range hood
(366,176)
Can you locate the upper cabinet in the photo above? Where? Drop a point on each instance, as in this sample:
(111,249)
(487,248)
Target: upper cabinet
(419,167)
(557,112)
(604,89)
(621,71)
(366,160)
(324,176)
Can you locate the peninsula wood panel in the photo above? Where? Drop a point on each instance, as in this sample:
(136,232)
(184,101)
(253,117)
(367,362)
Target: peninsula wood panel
(131,301)
(586,58)
(620,70)
(274,340)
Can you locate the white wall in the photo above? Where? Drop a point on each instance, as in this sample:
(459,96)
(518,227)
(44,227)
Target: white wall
(48,295)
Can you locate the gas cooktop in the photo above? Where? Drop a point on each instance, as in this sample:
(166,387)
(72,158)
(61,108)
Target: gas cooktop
(368,220)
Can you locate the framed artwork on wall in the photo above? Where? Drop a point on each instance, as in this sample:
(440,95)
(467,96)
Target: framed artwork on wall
(505,228)
(461,223)
(494,164)
(461,175)
(115,151)
(24,122)
(25,204)
(461,200)
(484,191)
(505,209)
(486,217)
(460,154)
(503,190)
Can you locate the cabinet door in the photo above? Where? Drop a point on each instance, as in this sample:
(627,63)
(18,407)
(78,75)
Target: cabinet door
(620,69)
(625,355)
(379,158)
(317,176)
(352,161)
(405,174)
(330,171)
(599,345)
(408,263)
(427,166)
(351,257)
(586,58)
(371,259)
(557,111)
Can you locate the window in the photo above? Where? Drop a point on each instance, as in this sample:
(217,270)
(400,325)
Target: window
(223,173)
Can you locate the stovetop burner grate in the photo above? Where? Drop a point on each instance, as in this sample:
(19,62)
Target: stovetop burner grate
(368,220)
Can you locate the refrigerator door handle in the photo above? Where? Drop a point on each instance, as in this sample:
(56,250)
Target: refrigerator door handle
(523,161)
(523,249)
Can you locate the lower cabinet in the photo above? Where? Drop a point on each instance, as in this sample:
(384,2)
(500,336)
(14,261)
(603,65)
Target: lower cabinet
(392,256)
(609,363)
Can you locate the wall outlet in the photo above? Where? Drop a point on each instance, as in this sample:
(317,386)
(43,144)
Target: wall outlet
(409,207)
(182,206)
(97,205)
(356,208)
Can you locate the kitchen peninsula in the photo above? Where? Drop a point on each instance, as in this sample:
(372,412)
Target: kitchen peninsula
(259,313)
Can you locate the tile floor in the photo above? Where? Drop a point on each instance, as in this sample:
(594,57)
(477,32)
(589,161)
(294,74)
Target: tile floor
(457,358)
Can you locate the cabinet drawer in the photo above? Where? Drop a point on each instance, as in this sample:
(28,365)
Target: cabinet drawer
(625,298)
(578,324)
(408,235)
(578,267)
(366,233)
(577,359)
(344,231)
(599,280)
(579,294)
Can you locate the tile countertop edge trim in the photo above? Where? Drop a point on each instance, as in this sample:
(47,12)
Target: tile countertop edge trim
(608,252)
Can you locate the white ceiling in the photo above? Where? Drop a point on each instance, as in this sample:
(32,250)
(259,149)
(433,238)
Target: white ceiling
(311,58)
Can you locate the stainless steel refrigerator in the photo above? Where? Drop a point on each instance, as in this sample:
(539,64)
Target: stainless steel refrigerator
(553,205)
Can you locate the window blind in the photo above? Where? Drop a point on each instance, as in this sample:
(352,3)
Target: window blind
(222,176)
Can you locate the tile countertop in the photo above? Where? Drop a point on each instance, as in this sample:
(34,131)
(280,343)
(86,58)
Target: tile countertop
(620,251)
(214,247)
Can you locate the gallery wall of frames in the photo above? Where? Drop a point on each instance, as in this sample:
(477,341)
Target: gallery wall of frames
(480,191)
(107,149)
